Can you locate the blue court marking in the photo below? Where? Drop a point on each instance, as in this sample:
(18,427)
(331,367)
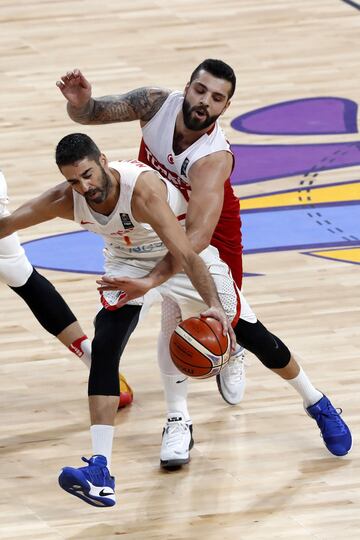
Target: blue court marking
(292,229)
(279,230)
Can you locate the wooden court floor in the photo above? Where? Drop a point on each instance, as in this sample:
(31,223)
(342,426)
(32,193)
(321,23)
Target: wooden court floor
(259,471)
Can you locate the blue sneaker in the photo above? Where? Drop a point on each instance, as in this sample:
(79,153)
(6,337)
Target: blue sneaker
(93,484)
(336,434)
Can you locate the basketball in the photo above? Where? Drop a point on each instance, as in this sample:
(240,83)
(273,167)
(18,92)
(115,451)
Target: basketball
(198,347)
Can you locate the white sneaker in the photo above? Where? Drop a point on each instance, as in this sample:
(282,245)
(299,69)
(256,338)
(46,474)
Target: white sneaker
(176,443)
(231,380)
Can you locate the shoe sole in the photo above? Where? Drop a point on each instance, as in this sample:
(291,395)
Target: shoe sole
(170,464)
(83,492)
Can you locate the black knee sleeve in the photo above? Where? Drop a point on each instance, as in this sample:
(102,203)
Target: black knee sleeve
(46,303)
(112,332)
(269,349)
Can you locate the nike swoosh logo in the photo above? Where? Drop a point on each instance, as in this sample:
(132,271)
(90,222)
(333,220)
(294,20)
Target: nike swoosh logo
(86,222)
(178,382)
(105,493)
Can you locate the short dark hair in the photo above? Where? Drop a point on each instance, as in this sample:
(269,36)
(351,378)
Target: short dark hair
(218,69)
(75,147)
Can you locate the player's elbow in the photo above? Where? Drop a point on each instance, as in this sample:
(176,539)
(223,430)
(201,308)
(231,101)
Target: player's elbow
(5,227)
(201,241)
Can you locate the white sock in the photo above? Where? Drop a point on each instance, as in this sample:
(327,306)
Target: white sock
(102,440)
(86,348)
(82,348)
(304,387)
(176,394)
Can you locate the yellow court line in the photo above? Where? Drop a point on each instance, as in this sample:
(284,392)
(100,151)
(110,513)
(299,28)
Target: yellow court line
(349,255)
(328,194)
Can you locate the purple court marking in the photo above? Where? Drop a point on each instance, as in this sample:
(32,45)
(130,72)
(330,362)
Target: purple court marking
(305,206)
(293,227)
(352,4)
(290,247)
(266,162)
(333,259)
(311,116)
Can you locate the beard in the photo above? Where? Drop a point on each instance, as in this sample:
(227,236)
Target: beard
(193,123)
(99,195)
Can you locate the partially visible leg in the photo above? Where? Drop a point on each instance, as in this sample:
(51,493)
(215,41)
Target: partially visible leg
(177,438)
(53,313)
(231,380)
(55,316)
(274,354)
(93,483)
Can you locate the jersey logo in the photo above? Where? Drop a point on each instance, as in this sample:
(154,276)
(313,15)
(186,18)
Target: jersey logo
(184,167)
(126,221)
(82,222)
(181,184)
(170,159)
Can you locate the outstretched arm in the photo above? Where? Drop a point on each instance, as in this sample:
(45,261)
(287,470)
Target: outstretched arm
(139,104)
(55,202)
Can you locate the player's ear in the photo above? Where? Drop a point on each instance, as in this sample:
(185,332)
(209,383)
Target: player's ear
(186,88)
(103,160)
(226,106)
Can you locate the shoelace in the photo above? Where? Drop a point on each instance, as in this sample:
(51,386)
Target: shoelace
(236,366)
(175,433)
(98,475)
(329,418)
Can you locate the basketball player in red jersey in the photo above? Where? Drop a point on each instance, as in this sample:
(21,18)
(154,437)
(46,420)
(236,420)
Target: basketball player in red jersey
(182,139)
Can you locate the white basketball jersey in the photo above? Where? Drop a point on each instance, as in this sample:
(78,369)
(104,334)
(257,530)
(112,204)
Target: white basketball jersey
(3,194)
(157,145)
(123,235)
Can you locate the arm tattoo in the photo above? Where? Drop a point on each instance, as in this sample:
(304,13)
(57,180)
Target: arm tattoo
(140,104)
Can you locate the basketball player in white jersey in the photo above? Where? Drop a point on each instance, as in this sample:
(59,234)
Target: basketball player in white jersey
(133,208)
(54,315)
(125,203)
(182,139)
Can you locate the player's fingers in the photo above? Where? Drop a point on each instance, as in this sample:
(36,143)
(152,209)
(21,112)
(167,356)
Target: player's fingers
(232,338)
(124,300)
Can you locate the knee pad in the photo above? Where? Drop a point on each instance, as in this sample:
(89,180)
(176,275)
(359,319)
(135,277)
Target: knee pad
(112,332)
(268,348)
(46,303)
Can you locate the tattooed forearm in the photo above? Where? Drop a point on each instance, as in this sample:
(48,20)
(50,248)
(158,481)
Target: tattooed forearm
(139,104)
(83,115)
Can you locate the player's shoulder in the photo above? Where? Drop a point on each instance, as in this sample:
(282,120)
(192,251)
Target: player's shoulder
(149,101)
(129,165)
(60,199)
(59,192)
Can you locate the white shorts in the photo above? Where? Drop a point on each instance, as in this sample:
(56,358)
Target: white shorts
(180,289)
(15,267)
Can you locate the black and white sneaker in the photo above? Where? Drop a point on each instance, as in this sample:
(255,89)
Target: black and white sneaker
(177,441)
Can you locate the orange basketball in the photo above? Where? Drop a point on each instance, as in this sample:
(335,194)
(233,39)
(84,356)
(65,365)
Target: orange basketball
(198,347)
